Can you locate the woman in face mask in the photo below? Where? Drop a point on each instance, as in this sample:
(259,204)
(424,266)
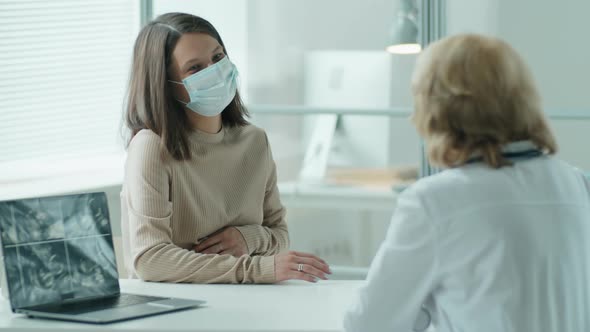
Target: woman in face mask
(200,201)
(500,240)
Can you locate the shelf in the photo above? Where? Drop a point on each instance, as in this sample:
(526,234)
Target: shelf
(340,197)
(400,112)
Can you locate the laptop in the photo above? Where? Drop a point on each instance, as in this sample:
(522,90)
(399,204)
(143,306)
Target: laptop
(59,262)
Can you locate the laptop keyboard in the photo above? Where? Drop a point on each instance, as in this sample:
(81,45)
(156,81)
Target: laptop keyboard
(124,300)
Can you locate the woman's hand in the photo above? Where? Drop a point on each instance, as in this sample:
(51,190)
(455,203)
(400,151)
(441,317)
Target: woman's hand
(299,265)
(228,241)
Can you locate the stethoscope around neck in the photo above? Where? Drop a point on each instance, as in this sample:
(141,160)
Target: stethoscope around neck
(512,156)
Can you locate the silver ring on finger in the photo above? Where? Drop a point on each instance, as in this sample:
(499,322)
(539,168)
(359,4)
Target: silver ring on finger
(300,267)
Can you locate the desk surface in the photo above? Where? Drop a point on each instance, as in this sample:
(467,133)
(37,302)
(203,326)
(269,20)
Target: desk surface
(290,306)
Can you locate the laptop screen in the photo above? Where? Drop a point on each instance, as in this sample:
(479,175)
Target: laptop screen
(57,248)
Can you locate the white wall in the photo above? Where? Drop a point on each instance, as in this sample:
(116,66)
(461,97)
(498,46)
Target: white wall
(468,16)
(550,35)
(280,32)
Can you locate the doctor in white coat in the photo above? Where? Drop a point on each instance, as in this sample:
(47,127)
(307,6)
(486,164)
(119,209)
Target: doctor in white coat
(500,240)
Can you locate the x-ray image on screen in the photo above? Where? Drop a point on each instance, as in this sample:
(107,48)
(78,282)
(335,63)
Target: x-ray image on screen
(7,228)
(85,216)
(32,220)
(57,248)
(38,273)
(93,266)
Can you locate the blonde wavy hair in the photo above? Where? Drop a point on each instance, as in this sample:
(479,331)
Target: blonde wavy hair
(473,94)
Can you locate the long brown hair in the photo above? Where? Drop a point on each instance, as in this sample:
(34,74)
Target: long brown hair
(150,101)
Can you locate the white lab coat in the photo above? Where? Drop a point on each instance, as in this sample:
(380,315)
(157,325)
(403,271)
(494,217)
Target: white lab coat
(486,250)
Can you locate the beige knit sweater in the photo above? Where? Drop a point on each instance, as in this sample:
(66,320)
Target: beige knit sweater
(169,205)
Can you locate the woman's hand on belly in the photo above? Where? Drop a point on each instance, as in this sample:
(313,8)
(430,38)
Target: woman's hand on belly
(228,241)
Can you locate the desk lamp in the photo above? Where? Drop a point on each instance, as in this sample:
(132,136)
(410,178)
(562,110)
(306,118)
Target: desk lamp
(404,32)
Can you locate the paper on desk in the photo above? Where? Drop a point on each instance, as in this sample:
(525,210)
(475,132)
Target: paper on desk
(381,178)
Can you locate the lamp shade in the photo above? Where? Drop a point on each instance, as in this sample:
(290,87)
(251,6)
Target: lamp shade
(404,35)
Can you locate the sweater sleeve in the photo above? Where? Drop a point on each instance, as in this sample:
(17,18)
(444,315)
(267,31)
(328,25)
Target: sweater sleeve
(149,209)
(272,236)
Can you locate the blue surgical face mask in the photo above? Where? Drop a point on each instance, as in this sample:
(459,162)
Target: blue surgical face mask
(211,89)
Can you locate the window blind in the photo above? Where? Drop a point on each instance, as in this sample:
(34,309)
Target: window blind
(64,67)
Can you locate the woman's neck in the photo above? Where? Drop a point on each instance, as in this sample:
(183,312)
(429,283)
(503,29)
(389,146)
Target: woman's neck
(208,124)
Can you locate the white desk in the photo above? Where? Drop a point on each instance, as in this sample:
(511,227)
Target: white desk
(290,306)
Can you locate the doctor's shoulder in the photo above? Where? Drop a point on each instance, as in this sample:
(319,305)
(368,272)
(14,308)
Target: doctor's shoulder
(574,171)
(441,183)
(437,194)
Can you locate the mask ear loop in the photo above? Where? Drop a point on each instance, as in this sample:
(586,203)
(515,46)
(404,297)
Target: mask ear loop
(178,100)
